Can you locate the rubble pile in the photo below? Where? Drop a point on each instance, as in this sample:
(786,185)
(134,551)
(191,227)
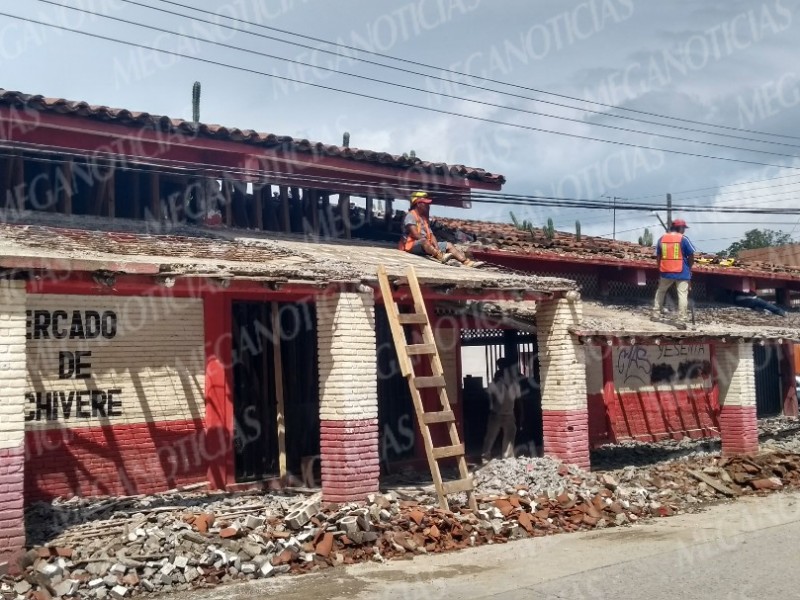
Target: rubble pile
(155,544)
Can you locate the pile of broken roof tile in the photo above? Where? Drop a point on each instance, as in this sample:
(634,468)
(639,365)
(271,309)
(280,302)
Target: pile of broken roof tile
(153,546)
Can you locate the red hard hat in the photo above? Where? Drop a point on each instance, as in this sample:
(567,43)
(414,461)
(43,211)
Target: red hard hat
(680,223)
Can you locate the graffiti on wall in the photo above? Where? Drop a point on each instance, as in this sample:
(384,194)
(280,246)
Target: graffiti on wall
(670,364)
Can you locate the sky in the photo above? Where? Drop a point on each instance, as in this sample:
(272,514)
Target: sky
(717,78)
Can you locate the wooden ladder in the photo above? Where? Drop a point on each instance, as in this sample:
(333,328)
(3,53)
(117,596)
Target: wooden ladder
(427,349)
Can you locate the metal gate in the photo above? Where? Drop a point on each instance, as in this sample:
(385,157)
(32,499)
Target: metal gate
(768,380)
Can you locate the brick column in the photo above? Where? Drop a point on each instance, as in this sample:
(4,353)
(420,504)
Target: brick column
(736,383)
(348,387)
(562,366)
(12,422)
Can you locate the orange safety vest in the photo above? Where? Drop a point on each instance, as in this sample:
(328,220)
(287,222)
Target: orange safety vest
(671,252)
(424,228)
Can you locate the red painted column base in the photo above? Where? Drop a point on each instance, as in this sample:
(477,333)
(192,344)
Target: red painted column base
(349,459)
(12,519)
(739,430)
(566,436)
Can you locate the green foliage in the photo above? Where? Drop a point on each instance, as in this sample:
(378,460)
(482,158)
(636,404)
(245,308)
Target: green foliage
(756,238)
(346,139)
(646,239)
(550,230)
(196,102)
(577,231)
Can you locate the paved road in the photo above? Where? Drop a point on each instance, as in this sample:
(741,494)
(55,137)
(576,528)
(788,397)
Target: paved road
(747,549)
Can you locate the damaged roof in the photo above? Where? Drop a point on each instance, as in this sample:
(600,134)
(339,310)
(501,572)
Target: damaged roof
(36,240)
(711,320)
(145,120)
(506,237)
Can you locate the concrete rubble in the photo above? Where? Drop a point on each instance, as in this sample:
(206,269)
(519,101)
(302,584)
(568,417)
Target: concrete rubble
(122,548)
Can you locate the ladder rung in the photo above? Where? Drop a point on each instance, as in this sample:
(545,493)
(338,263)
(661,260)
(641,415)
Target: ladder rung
(448,451)
(429,382)
(411,319)
(421,349)
(459,485)
(444,416)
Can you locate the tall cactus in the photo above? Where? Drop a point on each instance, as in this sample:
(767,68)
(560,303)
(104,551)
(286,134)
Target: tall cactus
(646,239)
(550,230)
(346,139)
(196,102)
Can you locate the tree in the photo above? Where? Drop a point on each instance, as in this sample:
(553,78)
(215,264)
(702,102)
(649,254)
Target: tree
(757,238)
(646,239)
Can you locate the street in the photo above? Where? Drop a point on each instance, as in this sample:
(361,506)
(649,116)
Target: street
(747,549)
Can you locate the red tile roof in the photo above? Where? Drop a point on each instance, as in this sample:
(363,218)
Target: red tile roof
(246,136)
(483,235)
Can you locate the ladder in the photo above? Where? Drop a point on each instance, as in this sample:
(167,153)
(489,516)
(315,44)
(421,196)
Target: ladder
(418,319)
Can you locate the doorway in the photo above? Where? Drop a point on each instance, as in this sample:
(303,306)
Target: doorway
(255,400)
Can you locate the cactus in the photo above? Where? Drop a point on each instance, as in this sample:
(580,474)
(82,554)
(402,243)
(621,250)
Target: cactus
(577,231)
(346,139)
(196,102)
(646,239)
(550,230)
(413,154)
(514,219)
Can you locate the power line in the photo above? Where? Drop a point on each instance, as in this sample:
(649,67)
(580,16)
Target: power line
(396,102)
(424,91)
(715,187)
(276,178)
(452,72)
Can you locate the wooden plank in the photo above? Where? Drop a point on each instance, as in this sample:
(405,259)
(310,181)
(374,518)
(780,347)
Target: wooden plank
(155,196)
(111,192)
(226,194)
(258,207)
(368,212)
(435,381)
(344,215)
(286,225)
(411,319)
(67,191)
(458,485)
(387,217)
(417,349)
(448,451)
(278,365)
(444,416)
(398,335)
(711,482)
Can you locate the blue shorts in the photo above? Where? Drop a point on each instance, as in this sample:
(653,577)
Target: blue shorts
(417,248)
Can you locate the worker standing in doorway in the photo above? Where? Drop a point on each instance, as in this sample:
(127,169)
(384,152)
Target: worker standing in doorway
(418,236)
(675,257)
(504,392)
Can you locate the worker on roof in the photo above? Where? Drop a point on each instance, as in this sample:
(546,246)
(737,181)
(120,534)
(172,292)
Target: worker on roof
(418,236)
(675,256)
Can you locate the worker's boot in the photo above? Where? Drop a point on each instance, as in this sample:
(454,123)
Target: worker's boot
(445,258)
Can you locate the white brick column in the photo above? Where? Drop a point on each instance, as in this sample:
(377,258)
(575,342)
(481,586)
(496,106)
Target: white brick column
(735,371)
(562,366)
(12,422)
(348,385)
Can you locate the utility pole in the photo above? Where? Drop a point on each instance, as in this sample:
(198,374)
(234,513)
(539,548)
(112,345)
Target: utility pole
(614,212)
(669,211)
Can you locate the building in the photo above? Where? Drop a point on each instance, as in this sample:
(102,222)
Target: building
(647,381)
(182,303)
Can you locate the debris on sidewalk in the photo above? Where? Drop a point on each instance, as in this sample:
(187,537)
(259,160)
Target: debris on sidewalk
(95,549)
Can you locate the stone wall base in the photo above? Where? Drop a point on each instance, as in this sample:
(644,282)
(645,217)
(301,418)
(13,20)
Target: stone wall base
(350,459)
(12,519)
(566,435)
(739,430)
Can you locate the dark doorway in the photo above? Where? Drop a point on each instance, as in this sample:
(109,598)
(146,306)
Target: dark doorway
(396,418)
(769,402)
(254,394)
(499,343)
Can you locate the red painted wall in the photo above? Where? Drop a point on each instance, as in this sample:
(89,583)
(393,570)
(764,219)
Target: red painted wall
(651,415)
(117,460)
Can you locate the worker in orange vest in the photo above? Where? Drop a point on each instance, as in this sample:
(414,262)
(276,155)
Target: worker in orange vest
(418,236)
(675,256)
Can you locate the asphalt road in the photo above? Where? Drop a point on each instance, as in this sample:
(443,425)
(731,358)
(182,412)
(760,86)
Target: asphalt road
(747,549)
